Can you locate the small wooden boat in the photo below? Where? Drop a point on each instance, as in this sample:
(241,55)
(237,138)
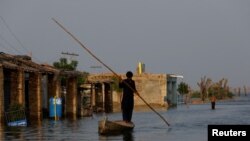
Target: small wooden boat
(114,127)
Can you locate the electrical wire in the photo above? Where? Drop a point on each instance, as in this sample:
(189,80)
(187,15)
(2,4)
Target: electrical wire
(12,33)
(9,44)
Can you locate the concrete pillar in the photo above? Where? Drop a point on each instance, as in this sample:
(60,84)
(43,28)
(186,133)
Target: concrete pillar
(54,86)
(45,102)
(103,97)
(50,87)
(35,96)
(1,96)
(71,98)
(14,97)
(58,88)
(93,94)
(20,87)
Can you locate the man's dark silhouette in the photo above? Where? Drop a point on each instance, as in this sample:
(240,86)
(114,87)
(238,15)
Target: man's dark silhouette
(127,102)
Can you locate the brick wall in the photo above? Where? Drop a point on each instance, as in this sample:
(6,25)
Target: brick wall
(151,87)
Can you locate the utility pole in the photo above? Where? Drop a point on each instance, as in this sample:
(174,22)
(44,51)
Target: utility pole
(95,68)
(70,54)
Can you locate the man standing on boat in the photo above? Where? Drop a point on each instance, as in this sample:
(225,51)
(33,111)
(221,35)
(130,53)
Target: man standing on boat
(127,99)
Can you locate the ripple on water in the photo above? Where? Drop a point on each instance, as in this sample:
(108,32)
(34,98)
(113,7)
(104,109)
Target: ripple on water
(186,124)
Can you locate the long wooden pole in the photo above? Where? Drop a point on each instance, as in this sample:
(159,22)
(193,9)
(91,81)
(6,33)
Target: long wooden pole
(78,41)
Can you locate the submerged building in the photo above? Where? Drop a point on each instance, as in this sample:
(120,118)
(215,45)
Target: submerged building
(155,89)
(28,85)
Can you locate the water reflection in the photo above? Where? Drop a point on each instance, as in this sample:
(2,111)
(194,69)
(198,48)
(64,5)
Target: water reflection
(13,133)
(128,136)
(125,136)
(186,124)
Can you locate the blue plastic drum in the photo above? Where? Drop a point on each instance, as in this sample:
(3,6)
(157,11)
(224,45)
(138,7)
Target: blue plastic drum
(55,107)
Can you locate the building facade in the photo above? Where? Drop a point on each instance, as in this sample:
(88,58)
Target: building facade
(29,85)
(155,89)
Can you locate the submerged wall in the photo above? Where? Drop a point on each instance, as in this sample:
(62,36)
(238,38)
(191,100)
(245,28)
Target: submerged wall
(152,88)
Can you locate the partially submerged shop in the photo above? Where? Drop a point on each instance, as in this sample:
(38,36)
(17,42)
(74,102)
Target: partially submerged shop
(102,93)
(29,86)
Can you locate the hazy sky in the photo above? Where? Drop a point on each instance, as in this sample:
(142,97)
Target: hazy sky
(194,38)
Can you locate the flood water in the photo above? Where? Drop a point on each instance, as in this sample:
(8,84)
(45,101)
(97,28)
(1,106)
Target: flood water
(187,123)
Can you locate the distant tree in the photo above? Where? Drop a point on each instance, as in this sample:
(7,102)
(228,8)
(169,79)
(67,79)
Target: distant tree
(220,89)
(182,88)
(245,90)
(195,94)
(115,85)
(64,65)
(204,85)
(82,79)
